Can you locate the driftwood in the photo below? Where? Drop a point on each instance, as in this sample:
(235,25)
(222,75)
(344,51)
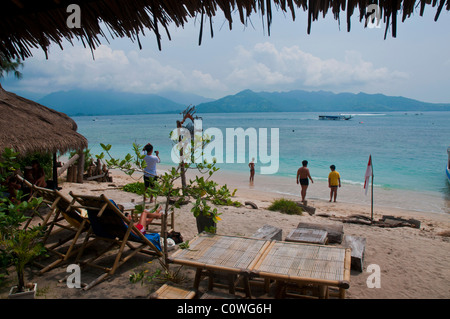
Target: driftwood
(268,232)
(253,205)
(310,210)
(69,163)
(386,221)
(308,235)
(358,247)
(398,222)
(98,172)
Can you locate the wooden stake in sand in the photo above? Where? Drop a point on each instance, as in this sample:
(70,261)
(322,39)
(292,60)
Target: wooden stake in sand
(369,173)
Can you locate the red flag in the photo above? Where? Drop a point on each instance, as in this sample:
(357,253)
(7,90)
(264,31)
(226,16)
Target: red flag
(368,174)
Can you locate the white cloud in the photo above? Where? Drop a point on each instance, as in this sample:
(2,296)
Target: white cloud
(265,66)
(132,71)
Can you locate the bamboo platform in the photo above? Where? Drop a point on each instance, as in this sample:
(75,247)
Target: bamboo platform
(214,254)
(171,292)
(306,264)
(222,253)
(284,262)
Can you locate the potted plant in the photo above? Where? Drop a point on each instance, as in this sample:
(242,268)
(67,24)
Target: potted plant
(18,245)
(23,246)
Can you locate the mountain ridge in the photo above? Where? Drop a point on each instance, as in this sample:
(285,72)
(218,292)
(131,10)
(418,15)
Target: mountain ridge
(89,102)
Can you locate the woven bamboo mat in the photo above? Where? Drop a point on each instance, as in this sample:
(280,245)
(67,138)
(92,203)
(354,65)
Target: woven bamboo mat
(221,252)
(304,262)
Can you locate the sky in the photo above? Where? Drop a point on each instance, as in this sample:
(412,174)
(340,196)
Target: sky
(415,64)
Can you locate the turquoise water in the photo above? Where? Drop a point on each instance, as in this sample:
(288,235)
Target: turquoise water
(409,150)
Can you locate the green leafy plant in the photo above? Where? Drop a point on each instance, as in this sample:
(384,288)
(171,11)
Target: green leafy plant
(18,245)
(286,206)
(201,189)
(136,188)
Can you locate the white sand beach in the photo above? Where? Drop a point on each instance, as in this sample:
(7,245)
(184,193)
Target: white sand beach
(413,262)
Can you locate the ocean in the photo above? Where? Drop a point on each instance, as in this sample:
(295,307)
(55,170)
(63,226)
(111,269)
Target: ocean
(408,149)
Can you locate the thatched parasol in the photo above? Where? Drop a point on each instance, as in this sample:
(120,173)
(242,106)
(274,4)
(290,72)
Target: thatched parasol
(27,24)
(29,127)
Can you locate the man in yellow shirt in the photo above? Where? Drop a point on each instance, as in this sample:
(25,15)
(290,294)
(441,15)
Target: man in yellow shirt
(334,181)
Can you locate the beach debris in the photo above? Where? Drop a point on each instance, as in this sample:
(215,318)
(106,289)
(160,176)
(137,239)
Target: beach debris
(358,247)
(385,221)
(310,210)
(335,232)
(308,235)
(253,205)
(400,222)
(268,232)
(97,172)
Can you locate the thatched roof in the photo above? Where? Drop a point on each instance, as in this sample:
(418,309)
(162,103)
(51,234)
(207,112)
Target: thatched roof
(27,24)
(28,127)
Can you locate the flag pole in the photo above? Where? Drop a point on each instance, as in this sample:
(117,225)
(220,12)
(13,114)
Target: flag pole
(371,204)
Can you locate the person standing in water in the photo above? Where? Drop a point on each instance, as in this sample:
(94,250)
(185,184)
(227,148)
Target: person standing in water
(302,178)
(252,170)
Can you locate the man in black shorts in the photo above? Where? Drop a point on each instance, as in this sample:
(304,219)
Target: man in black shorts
(302,178)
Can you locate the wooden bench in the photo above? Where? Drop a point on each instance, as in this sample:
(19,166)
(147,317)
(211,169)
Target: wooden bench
(170,292)
(310,236)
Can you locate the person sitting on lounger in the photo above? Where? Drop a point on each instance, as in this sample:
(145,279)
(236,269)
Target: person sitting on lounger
(145,219)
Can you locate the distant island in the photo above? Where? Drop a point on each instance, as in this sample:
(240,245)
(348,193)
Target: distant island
(85,102)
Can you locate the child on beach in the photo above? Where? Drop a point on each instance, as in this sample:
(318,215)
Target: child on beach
(334,181)
(302,178)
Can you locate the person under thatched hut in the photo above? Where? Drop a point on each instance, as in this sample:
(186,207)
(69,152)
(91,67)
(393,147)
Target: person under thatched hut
(36,174)
(11,186)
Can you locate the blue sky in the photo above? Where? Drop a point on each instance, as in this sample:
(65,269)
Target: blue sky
(415,64)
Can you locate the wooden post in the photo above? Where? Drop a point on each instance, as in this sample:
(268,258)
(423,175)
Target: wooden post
(371,200)
(182,169)
(55,171)
(80,165)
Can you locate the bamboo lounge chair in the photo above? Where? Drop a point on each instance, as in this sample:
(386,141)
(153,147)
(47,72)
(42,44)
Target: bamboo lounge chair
(30,187)
(65,217)
(109,224)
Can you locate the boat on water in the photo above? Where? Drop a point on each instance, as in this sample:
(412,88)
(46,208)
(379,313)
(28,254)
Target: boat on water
(335,117)
(447,170)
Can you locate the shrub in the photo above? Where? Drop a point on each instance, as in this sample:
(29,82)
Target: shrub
(286,206)
(137,188)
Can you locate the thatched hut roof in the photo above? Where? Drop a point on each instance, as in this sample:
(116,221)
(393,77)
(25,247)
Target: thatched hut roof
(28,127)
(27,24)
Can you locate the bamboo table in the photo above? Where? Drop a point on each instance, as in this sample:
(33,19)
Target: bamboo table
(225,254)
(300,263)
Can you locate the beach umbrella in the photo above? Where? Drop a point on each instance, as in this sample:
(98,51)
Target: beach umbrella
(29,127)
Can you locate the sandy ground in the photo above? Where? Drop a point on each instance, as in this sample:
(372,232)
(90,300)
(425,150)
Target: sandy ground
(413,262)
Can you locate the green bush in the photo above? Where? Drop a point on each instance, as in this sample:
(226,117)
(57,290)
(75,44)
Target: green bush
(136,188)
(286,206)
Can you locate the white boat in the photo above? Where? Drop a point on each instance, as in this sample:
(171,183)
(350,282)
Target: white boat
(447,170)
(335,117)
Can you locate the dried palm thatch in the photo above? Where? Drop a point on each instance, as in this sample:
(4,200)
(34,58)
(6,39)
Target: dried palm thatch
(29,127)
(27,24)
